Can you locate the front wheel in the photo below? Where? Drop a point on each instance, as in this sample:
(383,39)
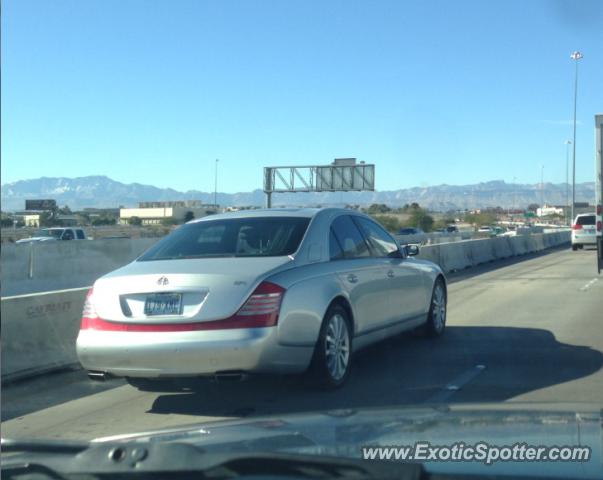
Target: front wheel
(436,318)
(333,352)
(574,247)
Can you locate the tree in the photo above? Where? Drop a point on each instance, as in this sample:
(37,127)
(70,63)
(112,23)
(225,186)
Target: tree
(134,221)
(47,219)
(65,210)
(421,219)
(188,216)
(389,222)
(104,220)
(480,219)
(377,208)
(532,207)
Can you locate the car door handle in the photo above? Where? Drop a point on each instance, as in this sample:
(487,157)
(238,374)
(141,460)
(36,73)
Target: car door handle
(352,278)
(391,274)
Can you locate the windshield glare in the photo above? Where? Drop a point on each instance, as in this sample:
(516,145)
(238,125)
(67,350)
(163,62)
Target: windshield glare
(240,237)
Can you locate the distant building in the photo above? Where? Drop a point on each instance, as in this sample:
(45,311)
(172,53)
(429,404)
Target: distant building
(177,203)
(548,210)
(154,213)
(67,220)
(29,219)
(114,212)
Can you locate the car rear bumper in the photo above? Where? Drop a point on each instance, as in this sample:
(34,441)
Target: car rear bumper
(584,239)
(195,353)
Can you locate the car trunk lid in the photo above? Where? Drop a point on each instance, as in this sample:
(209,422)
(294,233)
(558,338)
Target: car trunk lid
(209,289)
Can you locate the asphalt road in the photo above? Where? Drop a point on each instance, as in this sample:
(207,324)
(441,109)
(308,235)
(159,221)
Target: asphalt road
(529,330)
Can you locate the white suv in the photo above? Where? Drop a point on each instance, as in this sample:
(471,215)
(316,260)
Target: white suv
(583,231)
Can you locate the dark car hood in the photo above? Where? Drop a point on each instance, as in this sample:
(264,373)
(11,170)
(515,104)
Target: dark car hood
(343,433)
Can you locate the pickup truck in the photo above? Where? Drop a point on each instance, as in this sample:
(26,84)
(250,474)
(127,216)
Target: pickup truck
(56,233)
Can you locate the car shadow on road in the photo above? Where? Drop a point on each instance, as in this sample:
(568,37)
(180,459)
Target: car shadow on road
(405,370)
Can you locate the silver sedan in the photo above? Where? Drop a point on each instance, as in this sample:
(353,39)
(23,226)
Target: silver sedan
(280,291)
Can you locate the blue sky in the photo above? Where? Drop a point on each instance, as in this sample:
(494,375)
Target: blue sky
(432,92)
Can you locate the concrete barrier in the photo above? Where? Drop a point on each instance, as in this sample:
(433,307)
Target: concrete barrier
(479,251)
(459,255)
(501,247)
(44,266)
(454,256)
(39,332)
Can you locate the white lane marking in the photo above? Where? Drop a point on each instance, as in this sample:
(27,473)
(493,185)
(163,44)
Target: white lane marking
(588,285)
(456,384)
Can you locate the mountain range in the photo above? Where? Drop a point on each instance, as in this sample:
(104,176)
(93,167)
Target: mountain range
(101,191)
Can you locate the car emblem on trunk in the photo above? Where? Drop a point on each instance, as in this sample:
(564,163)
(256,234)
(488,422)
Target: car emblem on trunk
(163,281)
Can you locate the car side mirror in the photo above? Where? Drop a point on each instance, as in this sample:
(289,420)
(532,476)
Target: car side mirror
(412,250)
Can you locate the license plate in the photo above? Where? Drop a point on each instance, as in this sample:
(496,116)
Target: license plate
(163,304)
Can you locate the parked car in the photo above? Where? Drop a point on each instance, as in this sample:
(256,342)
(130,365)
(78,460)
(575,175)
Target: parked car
(410,235)
(583,231)
(259,291)
(54,234)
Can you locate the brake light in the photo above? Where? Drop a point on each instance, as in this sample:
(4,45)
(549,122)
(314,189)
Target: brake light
(89,314)
(576,226)
(599,208)
(260,310)
(599,226)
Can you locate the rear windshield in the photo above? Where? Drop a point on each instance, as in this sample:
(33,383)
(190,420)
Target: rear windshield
(586,220)
(235,237)
(406,231)
(49,233)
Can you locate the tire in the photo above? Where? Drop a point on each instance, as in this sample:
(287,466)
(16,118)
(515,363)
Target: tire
(436,318)
(574,247)
(325,372)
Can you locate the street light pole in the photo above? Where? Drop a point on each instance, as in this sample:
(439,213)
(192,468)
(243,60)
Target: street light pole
(567,144)
(541,188)
(216,184)
(575,56)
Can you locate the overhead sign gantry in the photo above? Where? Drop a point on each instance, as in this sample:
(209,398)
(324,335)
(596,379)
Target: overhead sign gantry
(343,175)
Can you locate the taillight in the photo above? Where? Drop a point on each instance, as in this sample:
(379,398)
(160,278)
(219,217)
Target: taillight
(599,209)
(265,300)
(260,310)
(599,226)
(89,314)
(576,226)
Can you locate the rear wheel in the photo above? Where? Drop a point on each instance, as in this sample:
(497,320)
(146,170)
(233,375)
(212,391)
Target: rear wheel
(436,318)
(332,359)
(574,247)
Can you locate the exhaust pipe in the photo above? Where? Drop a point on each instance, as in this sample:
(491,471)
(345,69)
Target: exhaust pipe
(97,376)
(233,376)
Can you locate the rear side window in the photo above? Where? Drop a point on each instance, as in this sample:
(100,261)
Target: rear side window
(586,220)
(335,250)
(80,234)
(349,237)
(380,241)
(233,237)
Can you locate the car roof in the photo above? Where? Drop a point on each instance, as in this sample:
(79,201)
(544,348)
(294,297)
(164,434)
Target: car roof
(270,212)
(585,215)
